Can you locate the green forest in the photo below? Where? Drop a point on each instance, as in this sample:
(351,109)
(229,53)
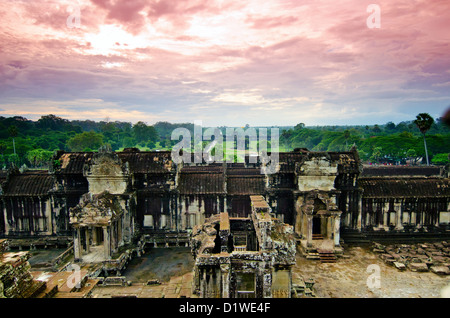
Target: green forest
(32,143)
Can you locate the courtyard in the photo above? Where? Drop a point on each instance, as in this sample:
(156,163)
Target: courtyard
(359,274)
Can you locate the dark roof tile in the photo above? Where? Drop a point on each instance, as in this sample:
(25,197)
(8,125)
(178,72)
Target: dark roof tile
(404,187)
(29,184)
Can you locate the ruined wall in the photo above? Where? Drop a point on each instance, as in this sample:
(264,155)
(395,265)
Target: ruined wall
(412,213)
(317,173)
(16,280)
(106,172)
(27,216)
(243,257)
(176,198)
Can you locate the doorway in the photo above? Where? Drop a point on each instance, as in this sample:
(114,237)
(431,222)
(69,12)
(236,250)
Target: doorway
(317,225)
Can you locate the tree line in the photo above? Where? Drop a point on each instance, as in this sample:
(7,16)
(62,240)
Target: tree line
(408,142)
(24,141)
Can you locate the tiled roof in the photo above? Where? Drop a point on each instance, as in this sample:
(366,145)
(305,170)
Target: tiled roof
(245,185)
(382,171)
(73,162)
(37,183)
(139,162)
(147,162)
(201,183)
(404,187)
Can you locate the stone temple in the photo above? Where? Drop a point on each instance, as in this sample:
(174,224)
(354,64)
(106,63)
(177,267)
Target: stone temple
(240,223)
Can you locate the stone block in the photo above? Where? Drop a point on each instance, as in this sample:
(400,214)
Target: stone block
(418,267)
(440,270)
(400,266)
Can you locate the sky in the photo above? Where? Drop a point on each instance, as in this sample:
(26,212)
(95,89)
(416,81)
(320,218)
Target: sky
(256,62)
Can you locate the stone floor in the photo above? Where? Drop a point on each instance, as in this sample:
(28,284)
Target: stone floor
(42,258)
(176,287)
(356,276)
(348,278)
(96,254)
(161,264)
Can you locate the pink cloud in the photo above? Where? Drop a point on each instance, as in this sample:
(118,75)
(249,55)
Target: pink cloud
(142,53)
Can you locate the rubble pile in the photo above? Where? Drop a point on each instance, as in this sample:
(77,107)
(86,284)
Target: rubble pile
(302,288)
(421,257)
(16,280)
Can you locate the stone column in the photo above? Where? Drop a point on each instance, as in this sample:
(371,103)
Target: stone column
(120,234)
(5,220)
(329,221)
(203,288)
(337,229)
(398,209)
(310,231)
(113,236)
(225,275)
(267,284)
(107,242)
(77,243)
(88,237)
(385,216)
(359,224)
(94,236)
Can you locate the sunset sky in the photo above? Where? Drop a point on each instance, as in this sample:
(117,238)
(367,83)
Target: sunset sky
(257,62)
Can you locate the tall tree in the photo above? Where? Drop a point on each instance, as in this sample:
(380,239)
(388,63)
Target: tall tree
(13,132)
(346,137)
(85,141)
(144,133)
(424,122)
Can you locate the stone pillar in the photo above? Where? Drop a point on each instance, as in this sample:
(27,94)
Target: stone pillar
(359,224)
(120,233)
(88,238)
(385,216)
(225,276)
(337,229)
(329,221)
(107,242)
(310,231)
(113,236)
(77,243)
(203,281)
(267,284)
(48,212)
(299,217)
(398,209)
(94,236)
(5,220)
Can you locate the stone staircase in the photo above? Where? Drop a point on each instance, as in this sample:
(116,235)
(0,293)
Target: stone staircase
(317,237)
(327,256)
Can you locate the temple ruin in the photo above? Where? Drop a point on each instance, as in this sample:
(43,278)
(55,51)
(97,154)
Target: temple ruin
(106,206)
(244,257)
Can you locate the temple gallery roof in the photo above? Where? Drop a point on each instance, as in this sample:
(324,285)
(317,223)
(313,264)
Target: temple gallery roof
(236,181)
(234,178)
(158,162)
(139,162)
(30,183)
(390,187)
(406,171)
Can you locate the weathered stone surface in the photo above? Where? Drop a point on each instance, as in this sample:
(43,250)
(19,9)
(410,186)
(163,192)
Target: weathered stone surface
(441,270)
(16,280)
(230,251)
(400,265)
(416,257)
(418,267)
